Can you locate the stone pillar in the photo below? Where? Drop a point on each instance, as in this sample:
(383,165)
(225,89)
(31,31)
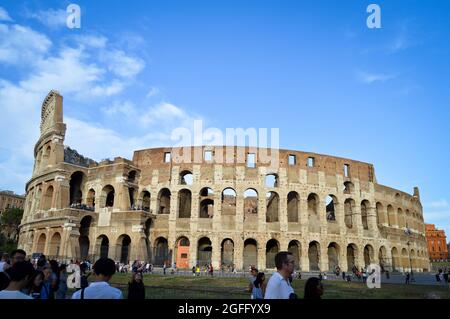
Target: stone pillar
(238,254)
(239,220)
(193,251)
(323,261)
(343,259)
(217,217)
(304,218)
(282,213)
(262,201)
(261,257)
(304,258)
(216,252)
(47,241)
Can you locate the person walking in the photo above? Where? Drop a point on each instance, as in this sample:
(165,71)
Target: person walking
(136,288)
(407,278)
(252,278)
(104,270)
(278,286)
(62,287)
(259,286)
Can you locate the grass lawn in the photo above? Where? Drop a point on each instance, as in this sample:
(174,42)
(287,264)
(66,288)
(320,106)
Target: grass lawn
(180,287)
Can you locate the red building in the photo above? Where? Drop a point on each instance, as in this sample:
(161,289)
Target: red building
(437,242)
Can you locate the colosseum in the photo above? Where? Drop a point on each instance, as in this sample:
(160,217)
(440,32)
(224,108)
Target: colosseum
(328,211)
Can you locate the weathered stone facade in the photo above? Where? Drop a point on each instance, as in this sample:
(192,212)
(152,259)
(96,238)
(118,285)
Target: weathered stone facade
(328,211)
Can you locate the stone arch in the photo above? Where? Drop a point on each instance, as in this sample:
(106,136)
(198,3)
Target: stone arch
(108,196)
(184,203)
(145,200)
(103,246)
(228,201)
(294,247)
(333,256)
(250,253)
(314,256)
(368,255)
(46,156)
(331,203)
(77,180)
(48,198)
(349,211)
(204,251)
(380,214)
(293,207)
(400,218)
(272,248)
(132,176)
(250,201)
(182,252)
(161,252)
(123,245)
(365,207)
(313,201)
(383,258)
(405,259)
(40,247)
(272,207)
(83,240)
(186,177)
(395,259)
(391,216)
(227,253)
(271,180)
(164,201)
(206,207)
(55,245)
(90,200)
(352,253)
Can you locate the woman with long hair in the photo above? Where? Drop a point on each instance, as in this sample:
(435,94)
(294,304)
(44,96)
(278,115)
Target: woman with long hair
(35,285)
(259,286)
(313,288)
(136,288)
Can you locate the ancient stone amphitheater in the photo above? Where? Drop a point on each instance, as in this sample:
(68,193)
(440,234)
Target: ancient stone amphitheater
(327,211)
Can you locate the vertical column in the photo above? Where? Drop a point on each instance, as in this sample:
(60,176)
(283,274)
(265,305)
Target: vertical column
(304,258)
(47,241)
(323,257)
(239,220)
(216,252)
(217,217)
(238,254)
(261,256)
(193,251)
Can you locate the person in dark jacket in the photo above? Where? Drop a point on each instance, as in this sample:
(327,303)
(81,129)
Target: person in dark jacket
(136,288)
(313,288)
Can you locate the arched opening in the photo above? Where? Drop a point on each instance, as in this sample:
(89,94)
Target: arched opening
(90,201)
(312,204)
(229,202)
(333,256)
(250,201)
(250,253)
(405,259)
(294,248)
(349,209)
(132,196)
(314,256)
(365,205)
(48,198)
(272,248)
(186,178)
(184,203)
(38,161)
(351,257)
(55,244)
(383,258)
(349,188)
(272,207)
(147,228)
(368,255)
(227,253)
(103,242)
(292,207)
(401,218)
(391,215)
(271,180)
(46,156)
(76,181)
(204,251)
(331,204)
(182,254)
(380,214)
(123,248)
(206,203)
(161,252)
(108,195)
(83,240)
(40,247)
(164,201)
(146,201)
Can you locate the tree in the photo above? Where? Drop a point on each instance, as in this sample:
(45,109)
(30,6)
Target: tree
(10,221)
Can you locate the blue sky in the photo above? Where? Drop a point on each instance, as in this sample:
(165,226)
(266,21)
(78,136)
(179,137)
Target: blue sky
(136,70)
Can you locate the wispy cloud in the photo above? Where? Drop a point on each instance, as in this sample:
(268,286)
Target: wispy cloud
(438,212)
(4,16)
(369,78)
(52,18)
(154,91)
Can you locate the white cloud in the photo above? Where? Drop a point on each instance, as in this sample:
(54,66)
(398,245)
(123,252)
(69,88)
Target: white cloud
(153,92)
(107,90)
(51,18)
(93,41)
(21,45)
(369,78)
(123,65)
(4,16)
